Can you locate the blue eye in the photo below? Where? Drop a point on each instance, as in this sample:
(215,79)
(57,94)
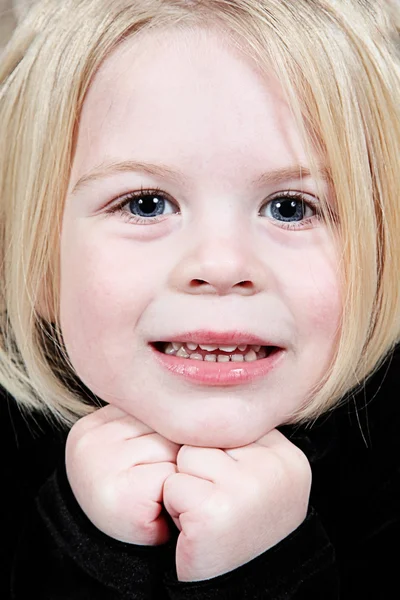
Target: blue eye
(289,208)
(149,204)
(144,207)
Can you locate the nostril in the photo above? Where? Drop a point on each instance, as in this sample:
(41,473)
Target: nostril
(245,284)
(197,282)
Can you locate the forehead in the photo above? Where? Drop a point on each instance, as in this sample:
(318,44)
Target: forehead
(184,96)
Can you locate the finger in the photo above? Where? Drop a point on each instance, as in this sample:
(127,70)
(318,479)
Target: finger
(207,463)
(150,448)
(119,424)
(282,446)
(106,414)
(126,428)
(273,440)
(267,453)
(149,479)
(126,454)
(251,456)
(183,493)
(112,450)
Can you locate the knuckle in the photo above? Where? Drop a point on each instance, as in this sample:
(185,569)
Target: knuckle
(302,464)
(296,462)
(163,447)
(196,527)
(75,432)
(300,475)
(169,482)
(293,468)
(141,519)
(81,429)
(185,453)
(79,443)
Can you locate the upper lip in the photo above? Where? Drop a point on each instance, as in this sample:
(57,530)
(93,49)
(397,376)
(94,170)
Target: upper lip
(203,336)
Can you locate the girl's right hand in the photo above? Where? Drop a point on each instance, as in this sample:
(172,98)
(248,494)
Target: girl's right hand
(116,467)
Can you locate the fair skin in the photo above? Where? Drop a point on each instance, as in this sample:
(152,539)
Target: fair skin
(219,264)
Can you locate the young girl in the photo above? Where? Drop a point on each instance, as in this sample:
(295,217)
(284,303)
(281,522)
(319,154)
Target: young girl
(200,257)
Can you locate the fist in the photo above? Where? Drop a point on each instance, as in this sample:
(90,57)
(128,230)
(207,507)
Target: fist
(116,467)
(232,505)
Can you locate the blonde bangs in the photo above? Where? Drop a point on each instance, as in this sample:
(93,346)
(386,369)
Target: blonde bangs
(338,65)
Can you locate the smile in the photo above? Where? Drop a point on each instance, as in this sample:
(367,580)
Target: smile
(215,353)
(217,364)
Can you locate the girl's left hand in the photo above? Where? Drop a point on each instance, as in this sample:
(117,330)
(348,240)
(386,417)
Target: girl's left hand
(232,505)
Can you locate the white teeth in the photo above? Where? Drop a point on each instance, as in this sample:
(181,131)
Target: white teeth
(182,353)
(250,356)
(186,350)
(212,347)
(222,358)
(237,358)
(191,346)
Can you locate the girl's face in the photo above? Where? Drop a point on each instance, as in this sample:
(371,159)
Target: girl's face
(183,224)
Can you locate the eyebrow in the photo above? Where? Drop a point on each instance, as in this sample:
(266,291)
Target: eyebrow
(107,169)
(295,172)
(276,176)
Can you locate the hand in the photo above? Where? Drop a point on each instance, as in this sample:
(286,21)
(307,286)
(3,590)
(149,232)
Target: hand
(232,505)
(117,467)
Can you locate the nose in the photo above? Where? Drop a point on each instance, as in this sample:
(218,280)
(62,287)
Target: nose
(220,264)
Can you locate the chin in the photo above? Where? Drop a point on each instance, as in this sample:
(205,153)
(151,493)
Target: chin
(211,437)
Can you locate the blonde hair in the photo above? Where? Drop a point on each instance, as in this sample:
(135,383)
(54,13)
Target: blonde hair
(338,63)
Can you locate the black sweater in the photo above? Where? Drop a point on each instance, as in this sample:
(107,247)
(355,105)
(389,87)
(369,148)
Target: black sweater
(347,548)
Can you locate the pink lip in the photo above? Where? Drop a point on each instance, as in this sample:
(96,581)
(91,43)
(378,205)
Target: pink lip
(202,336)
(219,374)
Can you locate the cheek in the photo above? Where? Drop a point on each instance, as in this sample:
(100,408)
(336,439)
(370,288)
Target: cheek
(325,298)
(93,282)
(314,295)
(321,302)
(102,272)
(104,290)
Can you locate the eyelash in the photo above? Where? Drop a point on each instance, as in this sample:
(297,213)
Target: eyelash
(137,220)
(305,201)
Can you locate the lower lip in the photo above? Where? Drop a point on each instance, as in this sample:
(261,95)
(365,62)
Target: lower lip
(219,374)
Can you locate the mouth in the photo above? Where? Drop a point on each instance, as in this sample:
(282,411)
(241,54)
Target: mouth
(228,361)
(211,353)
